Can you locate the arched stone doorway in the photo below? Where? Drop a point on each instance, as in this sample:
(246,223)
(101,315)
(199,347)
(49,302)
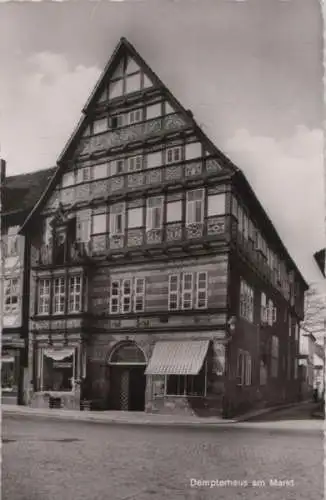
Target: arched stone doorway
(127,365)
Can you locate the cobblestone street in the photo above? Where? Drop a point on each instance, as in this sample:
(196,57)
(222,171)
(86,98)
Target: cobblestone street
(47,460)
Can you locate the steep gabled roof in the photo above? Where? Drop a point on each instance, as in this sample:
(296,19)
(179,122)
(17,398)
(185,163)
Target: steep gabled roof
(22,192)
(124,47)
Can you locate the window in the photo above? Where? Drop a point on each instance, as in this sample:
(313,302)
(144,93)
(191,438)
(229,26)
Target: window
(245,226)
(243,368)
(201,292)
(116,167)
(296,331)
(246,301)
(174,211)
(139,295)
(58,369)
(68,179)
(216,204)
(154,213)
(135,163)
(153,111)
(135,217)
(100,126)
(75,290)
(274,356)
(100,171)
(9,372)
(99,223)
(44,296)
(187,290)
(83,174)
(126,296)
(59,296)
(115,297)
(187,385)
(117,219)
(173,300)
(135,116)
(193,150)
(11,295)
(173,155)
(195,206)
(117,121)
(271,313)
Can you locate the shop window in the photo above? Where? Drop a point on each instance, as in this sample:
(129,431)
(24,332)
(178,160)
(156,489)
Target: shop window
(187,385)
(9,381)
(58,370)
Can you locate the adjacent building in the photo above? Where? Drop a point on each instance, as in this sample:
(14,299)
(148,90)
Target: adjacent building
(157,281)
(19,194)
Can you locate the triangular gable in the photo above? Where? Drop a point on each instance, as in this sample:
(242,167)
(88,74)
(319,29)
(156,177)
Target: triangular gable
(124,59)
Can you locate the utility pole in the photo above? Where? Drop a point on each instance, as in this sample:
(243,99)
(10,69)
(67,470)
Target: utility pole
(2,253)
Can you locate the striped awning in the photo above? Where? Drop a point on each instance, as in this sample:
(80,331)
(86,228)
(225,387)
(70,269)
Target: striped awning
(177,357)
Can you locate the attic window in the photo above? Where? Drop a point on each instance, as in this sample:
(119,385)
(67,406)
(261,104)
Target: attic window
(135,116)
(117,121)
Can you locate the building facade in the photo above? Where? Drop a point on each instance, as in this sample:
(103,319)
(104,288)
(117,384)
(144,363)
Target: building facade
(19,194)
(158,283)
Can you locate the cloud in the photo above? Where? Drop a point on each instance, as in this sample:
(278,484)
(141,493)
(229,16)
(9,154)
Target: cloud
(50,94)
(287,176)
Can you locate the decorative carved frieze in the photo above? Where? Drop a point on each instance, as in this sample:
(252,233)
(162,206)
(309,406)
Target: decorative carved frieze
(212,166)
(99,244)
(174,172)
(135,132)
(194,230)
(174,231)
(116,241)
(99,189)
(135,180)
(57,324)
(215,225)
(154,236)
(135,237)
(193,169)
(153,177)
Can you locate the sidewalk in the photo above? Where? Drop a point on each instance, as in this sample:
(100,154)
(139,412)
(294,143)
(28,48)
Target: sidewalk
(136,418)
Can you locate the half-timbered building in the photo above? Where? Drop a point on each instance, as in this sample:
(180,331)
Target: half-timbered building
(158,282)
(18,194)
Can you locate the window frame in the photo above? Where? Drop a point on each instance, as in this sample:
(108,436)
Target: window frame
(112,219)
(115,298)
(126,307)
(150,212)
(139,295)
(193,203)
(74,295)
(171,158)
(56,297)
(201,290)
(174,294)
(45,298)
(187,292)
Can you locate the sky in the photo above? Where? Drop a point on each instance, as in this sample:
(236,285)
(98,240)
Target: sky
(251,71)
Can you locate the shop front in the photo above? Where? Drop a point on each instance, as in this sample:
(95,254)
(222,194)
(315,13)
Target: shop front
(183,377)
(59,373)
(11,369)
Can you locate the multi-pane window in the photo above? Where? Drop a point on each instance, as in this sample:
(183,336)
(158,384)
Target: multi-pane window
(126,296)
(44,296)
(195,206)
(83,226)
(117,219)
(246,301)
(135,116)
(59,296)
(11,293)
(187,385)
(187,290)
(139,295)
(173,155)
(263,309)
(243,368)
(75,294)
(274,356)
(116,167)
(135,163)
(201,296)
(115,297)
(117,121)
(154,218)
(174,292)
